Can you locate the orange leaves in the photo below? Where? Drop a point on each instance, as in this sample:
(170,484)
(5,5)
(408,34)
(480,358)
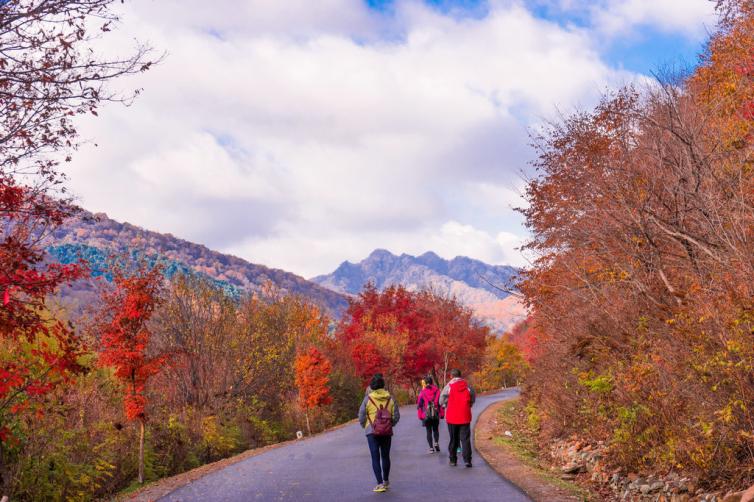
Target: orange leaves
(643,222)
(723,84)
(503,365)
(135,403)
(313,378)
(11,377)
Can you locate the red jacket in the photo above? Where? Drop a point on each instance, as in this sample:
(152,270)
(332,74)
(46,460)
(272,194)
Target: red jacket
(457,398)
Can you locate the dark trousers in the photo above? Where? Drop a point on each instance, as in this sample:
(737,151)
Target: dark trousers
(379,447)
(433,431)
(460,435)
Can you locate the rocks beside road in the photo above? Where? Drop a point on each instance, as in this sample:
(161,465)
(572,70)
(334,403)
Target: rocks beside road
(587,464)
(513,462)
(571,469)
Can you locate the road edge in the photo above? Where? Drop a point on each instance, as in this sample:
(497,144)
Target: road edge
(165,486)
(528,479)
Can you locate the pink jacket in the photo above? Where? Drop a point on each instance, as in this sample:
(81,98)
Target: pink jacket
(428,393)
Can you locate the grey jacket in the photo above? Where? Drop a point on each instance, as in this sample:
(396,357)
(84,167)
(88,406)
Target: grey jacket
(446,392)
(380,397)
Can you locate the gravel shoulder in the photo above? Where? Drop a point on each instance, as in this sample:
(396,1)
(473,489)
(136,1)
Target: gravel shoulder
(514,464)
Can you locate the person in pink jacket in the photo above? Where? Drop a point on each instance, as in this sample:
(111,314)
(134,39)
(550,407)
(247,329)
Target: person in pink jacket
(430,413)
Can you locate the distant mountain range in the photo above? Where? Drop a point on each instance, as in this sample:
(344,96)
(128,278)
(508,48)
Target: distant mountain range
(95,237)
(475,283)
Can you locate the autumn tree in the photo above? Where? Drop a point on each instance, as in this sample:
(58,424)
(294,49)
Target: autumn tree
(503,365)
(49,74)
(197,324)
(235,358)
(453,337)
(232,348)
(642,216)
(270,330)
(26,282)
(125,341)
(528,339)
(313,381)
(406,335)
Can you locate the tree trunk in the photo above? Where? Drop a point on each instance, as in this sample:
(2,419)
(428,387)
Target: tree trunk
(308,427)
(445,370)
(141,451)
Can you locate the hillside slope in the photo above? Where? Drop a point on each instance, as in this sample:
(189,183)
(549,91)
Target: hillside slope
(104,235)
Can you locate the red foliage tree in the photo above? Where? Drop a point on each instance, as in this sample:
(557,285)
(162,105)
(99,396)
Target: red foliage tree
(452,337)
(48,74)
(25,283)
(125,341)
(529,340)
(313,381)
(406,335)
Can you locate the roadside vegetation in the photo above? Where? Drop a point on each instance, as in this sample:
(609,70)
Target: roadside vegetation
(508,440)
(642,218)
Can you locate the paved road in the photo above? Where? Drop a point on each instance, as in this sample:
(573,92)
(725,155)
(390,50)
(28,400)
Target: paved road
(336,466)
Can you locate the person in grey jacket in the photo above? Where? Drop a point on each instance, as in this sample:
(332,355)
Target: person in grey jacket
(379,445)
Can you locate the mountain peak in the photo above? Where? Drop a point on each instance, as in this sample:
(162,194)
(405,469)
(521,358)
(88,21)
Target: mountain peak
(467,279)
(380,254)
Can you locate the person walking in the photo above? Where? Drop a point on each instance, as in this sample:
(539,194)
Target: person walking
(457,398)
(430,412)
(369,388)
(378,415)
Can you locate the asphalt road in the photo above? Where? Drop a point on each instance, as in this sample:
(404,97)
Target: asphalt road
(336,466)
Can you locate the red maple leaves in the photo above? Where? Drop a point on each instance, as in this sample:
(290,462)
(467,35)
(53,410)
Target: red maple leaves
(406,335)
(40,351)
(125,339)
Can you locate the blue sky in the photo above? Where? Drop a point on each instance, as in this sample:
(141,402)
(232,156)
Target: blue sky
(300,134)
(649,49)
(644,50)
(464,7)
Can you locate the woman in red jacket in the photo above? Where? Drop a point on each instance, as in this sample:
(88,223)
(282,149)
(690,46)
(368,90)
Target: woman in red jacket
(430,412)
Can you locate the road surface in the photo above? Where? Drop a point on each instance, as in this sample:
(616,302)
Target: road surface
(336,466)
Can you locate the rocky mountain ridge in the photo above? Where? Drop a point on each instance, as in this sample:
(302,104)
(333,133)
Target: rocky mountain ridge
(482,287)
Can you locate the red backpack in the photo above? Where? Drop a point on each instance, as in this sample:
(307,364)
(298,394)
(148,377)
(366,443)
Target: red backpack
(383,419)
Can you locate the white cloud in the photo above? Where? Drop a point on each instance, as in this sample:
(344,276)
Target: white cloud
(687,17)
(238,18)
(311,253)
(296,135)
